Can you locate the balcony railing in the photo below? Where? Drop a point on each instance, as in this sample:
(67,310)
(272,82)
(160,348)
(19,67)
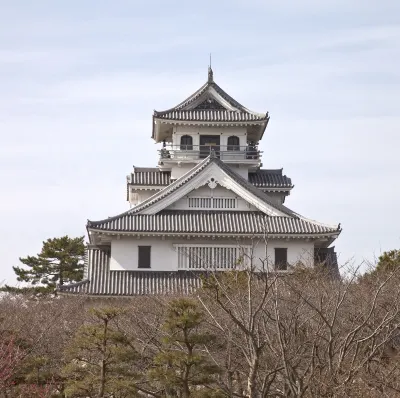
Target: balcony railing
(194,152)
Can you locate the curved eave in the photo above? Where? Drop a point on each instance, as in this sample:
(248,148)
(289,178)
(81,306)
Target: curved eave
(265,126)
(262,120)
(210,88)
(332,234)
(157,122)
(274,188)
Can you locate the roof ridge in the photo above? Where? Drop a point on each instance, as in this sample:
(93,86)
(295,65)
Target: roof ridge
(145,202)
(192,172)
(250,187)
(185,102)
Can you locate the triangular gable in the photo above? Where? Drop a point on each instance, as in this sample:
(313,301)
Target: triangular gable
(214,96)
(210,91)
(209,103)
(211,196)
(211,171)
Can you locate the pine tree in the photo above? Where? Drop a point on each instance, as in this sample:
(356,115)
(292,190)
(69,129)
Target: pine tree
(100,359)
(181,368)
(60,261)
(389,261)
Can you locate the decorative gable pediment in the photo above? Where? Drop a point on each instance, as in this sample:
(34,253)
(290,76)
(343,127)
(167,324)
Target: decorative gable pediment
(211,98)
(211,196)
(213,176)
(209,103)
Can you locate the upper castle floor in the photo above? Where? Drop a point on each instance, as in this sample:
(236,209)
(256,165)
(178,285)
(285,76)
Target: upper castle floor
(209,121)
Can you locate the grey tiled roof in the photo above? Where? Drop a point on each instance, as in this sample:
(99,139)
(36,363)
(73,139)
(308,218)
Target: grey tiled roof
(270,179)
(231,222)
(150,176)
(185,110)
(261,178)
(168,190)
(101,281)
(210,222)
(208,115)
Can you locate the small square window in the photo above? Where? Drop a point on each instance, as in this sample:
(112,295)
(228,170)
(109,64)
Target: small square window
(144,255)
(281,259)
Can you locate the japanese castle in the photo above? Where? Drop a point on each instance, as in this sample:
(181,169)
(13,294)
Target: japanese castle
(207,206)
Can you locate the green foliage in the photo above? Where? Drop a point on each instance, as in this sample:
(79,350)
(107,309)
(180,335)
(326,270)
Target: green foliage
(389,261)
(182,368)
(60,261)
(100,359)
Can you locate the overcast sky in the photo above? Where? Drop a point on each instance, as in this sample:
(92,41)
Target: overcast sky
(79,81)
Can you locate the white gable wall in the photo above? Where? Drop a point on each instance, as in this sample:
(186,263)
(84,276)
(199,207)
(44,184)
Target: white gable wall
(241,169)
(210,173)
(206,192)
(164,256)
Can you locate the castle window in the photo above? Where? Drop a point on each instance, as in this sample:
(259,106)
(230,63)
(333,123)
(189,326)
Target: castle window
(281,259)
(187,143)
(233,143)
(144,256)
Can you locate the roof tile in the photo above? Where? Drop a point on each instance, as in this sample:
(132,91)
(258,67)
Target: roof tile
(211,115)
(210,222)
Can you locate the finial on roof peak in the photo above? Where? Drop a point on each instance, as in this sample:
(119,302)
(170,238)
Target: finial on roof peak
(210,75)
(210,72)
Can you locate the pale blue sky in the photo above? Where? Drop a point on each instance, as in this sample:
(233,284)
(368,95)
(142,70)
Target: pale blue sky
(79,81)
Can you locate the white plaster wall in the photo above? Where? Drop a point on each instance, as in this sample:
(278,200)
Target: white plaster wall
(142,195)
(298,251)
(179,171)
(124,252)
(241,169)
